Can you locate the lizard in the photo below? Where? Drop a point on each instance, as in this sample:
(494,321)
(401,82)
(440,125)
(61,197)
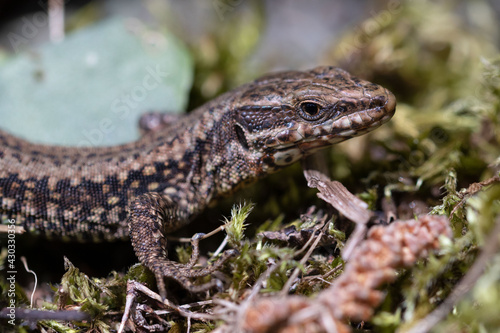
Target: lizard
(150,187)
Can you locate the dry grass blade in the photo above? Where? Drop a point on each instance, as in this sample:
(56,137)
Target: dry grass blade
(296,271)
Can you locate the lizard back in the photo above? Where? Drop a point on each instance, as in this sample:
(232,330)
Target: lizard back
(240,136)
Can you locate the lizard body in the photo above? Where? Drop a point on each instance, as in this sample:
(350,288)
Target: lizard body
(150,187)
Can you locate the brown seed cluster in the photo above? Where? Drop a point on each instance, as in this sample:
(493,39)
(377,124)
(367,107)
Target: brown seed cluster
(354,295)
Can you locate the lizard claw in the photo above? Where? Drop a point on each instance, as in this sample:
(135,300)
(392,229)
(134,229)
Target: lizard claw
(198,236)
(231,253)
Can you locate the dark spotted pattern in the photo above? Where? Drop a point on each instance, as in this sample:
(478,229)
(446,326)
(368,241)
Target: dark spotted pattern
(158,183)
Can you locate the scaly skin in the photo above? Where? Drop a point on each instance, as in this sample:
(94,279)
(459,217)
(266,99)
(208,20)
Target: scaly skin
(155,185)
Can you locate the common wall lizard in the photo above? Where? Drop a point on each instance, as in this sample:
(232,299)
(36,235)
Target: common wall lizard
(153,186)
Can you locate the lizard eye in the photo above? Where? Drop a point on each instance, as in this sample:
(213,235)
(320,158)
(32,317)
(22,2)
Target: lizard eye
(311,111)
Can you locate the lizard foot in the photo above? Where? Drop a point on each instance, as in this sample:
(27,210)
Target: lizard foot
(183,273)
(150,217)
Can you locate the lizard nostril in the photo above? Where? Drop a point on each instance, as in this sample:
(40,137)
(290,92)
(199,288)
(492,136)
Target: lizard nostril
(390,102)
(341,108)
(378,101)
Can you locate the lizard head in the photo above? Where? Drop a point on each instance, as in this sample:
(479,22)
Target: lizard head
(285,116)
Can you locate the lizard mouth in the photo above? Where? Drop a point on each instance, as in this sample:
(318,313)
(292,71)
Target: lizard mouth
(381,109)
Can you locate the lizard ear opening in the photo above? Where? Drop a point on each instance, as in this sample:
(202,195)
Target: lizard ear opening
(241,136)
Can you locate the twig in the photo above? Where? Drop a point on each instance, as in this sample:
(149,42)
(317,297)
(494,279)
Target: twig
(302,262)
(136,286)
(131,294)
(186,306)
(221,246)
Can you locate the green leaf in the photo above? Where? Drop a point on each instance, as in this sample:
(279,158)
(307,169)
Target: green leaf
(91,88)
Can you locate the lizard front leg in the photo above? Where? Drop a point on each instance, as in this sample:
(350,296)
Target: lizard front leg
(151,216)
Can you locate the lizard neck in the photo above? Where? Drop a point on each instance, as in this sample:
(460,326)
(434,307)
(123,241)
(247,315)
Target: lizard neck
(214,163)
